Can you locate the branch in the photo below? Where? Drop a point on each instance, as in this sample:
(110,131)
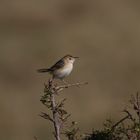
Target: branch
(59,115)
(65,118)
(55,117)
(120,121)
(130,115)
(46,116)
(60,88)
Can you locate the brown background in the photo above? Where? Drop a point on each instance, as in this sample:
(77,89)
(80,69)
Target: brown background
(105,34)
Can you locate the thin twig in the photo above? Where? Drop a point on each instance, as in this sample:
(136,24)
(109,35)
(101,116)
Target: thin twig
(129,114)
(46,116)
(60,88)
(120,121)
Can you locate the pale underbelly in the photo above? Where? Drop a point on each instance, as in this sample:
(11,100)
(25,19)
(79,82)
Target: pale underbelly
(62,73)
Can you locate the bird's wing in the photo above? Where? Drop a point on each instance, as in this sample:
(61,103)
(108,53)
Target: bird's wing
(57,65)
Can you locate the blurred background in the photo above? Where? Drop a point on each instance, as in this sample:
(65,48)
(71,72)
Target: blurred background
(34,34)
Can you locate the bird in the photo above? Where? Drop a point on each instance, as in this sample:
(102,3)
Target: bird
(61,68)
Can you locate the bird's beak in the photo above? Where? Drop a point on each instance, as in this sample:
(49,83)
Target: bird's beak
(75,57)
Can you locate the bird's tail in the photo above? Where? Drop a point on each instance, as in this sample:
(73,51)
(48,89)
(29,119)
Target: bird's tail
(43,70)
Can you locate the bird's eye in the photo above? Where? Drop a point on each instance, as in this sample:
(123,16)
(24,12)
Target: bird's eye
(69,58)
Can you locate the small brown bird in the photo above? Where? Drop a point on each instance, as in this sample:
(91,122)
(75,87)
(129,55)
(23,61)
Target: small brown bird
(62,68)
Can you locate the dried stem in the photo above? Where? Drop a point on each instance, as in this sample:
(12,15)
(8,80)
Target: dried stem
(60,88)
(55,118)
(119,122)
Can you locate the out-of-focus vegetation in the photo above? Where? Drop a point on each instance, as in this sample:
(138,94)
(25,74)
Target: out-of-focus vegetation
(127,128)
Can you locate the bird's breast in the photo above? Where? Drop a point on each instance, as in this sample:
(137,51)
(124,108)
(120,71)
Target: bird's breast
(63,72)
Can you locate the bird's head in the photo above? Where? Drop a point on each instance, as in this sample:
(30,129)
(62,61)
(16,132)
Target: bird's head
(69,59)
